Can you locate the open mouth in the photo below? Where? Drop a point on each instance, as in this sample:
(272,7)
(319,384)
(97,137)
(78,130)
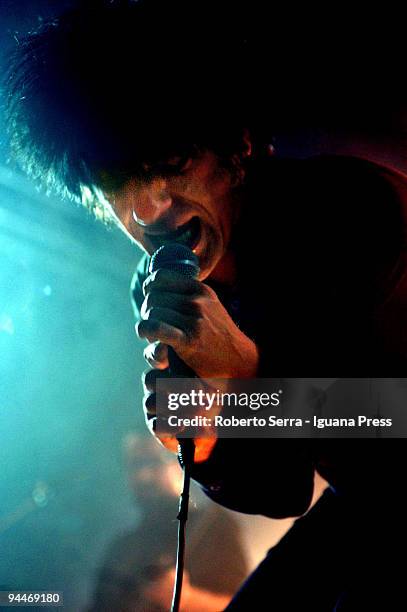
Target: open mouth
(187,234)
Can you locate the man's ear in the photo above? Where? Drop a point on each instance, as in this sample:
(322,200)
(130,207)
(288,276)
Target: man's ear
(240,157)
(247,144)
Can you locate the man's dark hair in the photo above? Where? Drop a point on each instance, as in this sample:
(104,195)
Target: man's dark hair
(111,84)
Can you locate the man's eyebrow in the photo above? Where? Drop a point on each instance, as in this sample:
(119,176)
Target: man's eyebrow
(164,167)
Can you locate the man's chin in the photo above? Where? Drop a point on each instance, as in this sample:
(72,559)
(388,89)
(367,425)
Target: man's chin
(206,268)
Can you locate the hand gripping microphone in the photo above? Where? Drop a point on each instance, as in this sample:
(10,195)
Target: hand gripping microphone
(179,258)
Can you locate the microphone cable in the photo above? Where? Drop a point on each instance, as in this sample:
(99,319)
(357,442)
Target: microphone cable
(186,451)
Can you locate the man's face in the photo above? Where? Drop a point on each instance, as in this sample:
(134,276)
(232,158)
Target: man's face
(191,202)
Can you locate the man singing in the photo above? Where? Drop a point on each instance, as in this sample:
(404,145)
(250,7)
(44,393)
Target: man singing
(149,113)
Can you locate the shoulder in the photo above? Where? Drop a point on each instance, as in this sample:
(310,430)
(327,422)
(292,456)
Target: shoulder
(348,210)
(366,215)
(334,194)
(372,187)
(332,186)
(329,175)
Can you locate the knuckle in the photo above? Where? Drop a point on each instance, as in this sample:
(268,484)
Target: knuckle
(150,301)
(146,328)
(146,285)
(197,307)
(149,314)
(140,328)
(149,378)
(153,313)
(195,333)
(208,292)
(150,329)
(195,302)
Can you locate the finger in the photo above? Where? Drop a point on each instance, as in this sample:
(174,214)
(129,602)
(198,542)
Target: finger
(184,304)
(154,331)
(150,377)
(150,411)
(152,425)
(156,355)
(157,425)
(150,405)
(185,323)
(174,282)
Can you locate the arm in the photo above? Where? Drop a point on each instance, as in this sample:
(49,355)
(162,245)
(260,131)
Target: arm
(254,476)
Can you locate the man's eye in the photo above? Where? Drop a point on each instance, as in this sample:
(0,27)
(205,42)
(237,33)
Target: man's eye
(179,164)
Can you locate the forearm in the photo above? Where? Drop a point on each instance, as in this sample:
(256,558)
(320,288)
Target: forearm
(259,476)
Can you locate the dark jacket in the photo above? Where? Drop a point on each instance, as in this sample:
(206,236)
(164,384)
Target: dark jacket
(322,290)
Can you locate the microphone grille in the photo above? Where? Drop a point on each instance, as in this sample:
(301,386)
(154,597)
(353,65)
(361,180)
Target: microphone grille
(176,257)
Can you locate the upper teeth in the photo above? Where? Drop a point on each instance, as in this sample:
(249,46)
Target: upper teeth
(183,238)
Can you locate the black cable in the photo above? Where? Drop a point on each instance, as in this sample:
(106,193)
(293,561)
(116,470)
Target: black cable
(179,258)
(186,451)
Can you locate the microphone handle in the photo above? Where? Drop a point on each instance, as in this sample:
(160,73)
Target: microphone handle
(179,369)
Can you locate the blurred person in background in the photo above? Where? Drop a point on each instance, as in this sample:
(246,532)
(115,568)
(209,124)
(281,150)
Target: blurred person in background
(137,572)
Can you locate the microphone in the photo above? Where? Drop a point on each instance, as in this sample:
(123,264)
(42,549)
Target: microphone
(176,257)
(179,258)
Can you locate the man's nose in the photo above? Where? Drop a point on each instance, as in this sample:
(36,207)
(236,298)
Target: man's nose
(152,202)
